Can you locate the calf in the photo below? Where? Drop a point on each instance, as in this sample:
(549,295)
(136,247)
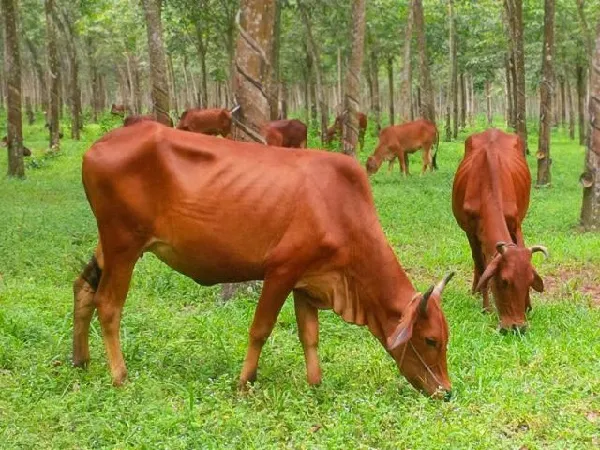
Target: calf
(285,133)
(222,211)
(397,141)
(335,131)
(213,122)
(490,198)
(132,120)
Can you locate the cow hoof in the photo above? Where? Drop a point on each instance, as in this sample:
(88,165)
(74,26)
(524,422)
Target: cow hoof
(119,380)
(81,363)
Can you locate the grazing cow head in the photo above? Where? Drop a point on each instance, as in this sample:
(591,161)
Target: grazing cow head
(512,274)
(372,165)
(418,344)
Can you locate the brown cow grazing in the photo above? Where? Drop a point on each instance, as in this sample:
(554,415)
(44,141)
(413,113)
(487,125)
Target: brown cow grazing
(214,122)
(26,151)
(132,120)
(490,198)
(223,211)
(118,110)
(396,141)
(285,133)
(335,131)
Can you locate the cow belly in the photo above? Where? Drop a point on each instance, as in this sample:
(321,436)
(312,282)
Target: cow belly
(206,266)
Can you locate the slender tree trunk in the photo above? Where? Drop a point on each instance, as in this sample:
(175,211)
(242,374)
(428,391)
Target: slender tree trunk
(406,113)
(66,27)
(172,85)
(339,80)
(29,111)
(53,116)
(510,118)
(94,79)
(251,79)
(39,72)
(202,57)
(2,66)
(284,99)
(488,103)
(587,35)
(463,101)
(544,175)
(158,67)
(571,109)
(316,65)
(453,82)
(427,102)
(275,69)
(515,14)
(374,69)
(563,104)
(14,123)
(352,90)
(390,71)
(580,77)
(137,84)
(590,179)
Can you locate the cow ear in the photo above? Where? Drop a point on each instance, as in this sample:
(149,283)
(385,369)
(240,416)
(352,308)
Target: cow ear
(538,283)
(404,330)
(488,273)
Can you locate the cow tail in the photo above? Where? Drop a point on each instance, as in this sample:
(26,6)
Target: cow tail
(437,146)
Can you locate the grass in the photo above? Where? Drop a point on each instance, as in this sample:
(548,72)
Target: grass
(184,349)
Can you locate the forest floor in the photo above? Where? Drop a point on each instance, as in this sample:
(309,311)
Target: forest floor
(184,348)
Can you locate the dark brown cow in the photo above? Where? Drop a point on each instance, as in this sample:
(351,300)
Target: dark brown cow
(490,198)
(213,122)
(397,141)
(132,120)
(26,151)
(118,110)
(335,131)
(285,133)
(222,211)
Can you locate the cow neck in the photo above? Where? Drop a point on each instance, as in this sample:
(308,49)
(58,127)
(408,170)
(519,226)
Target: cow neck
(493,228)
(390,294)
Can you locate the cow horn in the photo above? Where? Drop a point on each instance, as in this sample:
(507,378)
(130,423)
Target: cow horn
(500,247)
(540,248)
(424,300)
(439,288)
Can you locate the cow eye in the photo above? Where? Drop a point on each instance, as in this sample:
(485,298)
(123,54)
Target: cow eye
(431,342)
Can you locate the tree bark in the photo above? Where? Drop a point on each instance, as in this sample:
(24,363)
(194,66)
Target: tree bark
(373,67)
(463,101)
(590,208)
(515,15)
(53,117)
(14,124)
(39,72)
(352,89)
(544,175)
(158,66)
(406,78)
(390,71)
(316,65)
(64,23)
(571,109)
(510,121)
(580,77)
(427,101)
(275,47)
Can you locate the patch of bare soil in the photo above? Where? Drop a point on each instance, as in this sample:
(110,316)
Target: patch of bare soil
(568,280)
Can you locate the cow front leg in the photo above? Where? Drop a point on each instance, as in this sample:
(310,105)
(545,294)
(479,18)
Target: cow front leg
(307,318)
(478,269)
(109,300)
(391,164)
(275,291)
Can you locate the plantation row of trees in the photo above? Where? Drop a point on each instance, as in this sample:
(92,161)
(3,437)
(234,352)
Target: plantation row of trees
(445,60)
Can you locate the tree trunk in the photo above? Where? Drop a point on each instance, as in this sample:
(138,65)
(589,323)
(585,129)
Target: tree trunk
(29,111)
(571,109)
(158,66)
(463,101)
(284,99)
(352,89)
(316,65)
(374,69)
(2,66)
(95,103)
(406,113)
(590,209)
(515,14)
(427,102)
(453,82)
(39,72)
(14,123)
(339,74)
(390,71)
(587,35)
(580,76)
(202,57)
(510,111)
(563,104)
(65,24)
(274,94)
(488,103)
(251,80)
(53,117)
(172,85)
(544,176)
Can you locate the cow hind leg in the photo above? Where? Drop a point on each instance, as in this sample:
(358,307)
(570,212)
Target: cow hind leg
(84,289)
(427,158)
(307,318)
(275,290)
(109,300)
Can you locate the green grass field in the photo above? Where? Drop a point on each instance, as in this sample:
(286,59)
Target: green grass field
(184,349)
